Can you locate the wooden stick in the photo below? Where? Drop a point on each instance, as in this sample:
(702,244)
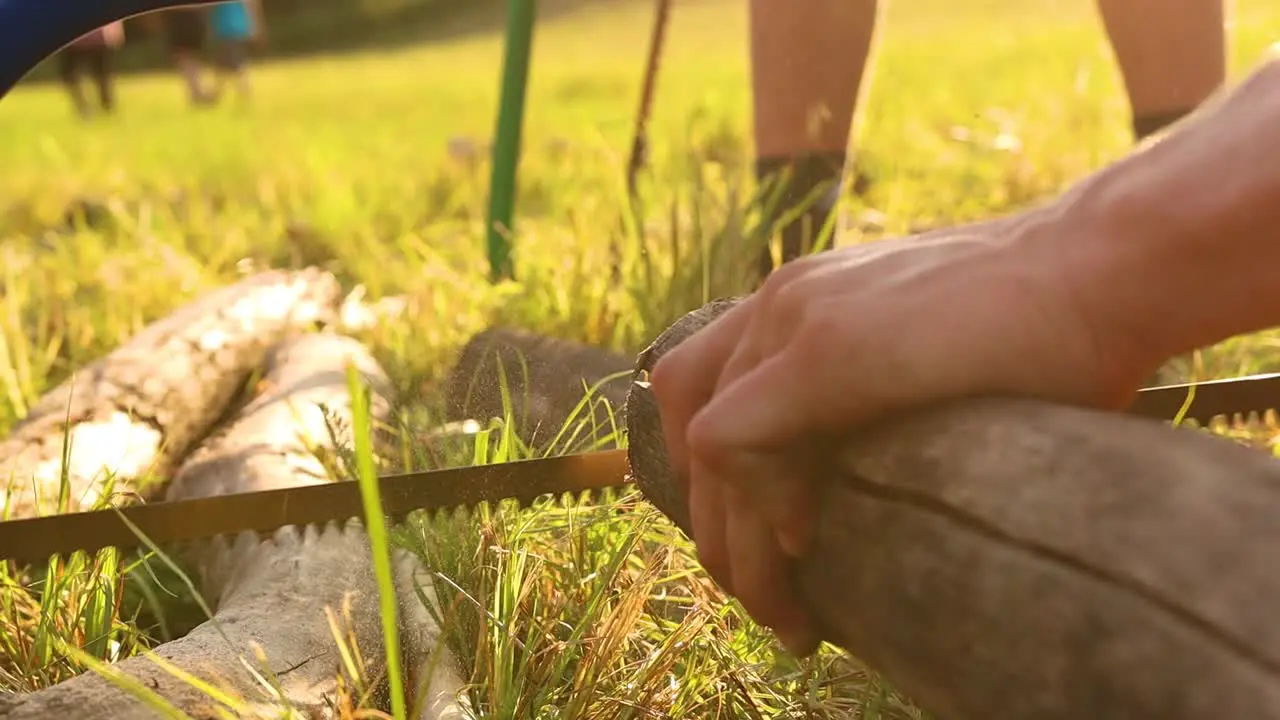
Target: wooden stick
(1009,558)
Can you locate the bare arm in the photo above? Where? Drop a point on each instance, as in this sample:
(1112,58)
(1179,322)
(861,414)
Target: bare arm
(1179,245)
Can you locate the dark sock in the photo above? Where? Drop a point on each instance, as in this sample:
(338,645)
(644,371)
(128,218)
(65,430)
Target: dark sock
(811,180)
(1148,125)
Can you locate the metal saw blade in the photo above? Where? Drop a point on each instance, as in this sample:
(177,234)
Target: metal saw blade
(36,539)
(1210,398)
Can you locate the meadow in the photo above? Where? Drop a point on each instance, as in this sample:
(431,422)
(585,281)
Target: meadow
(372,165)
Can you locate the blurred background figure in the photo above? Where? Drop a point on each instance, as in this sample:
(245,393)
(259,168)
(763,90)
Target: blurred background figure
(236,26)
(91,52)
(807,63)
(184,30)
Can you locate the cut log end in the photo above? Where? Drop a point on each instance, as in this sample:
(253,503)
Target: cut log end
(541,380)
(1011,558)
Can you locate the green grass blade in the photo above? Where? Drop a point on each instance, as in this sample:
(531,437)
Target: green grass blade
(379,544)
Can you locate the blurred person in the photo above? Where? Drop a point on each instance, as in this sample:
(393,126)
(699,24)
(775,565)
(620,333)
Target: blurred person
(184,30)
(92,52)
(808,60)
(237,26)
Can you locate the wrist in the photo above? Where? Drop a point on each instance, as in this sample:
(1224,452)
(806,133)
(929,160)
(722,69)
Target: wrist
(1124,279)
(1173,248)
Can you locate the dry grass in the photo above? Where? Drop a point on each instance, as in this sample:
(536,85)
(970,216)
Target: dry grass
(559,612)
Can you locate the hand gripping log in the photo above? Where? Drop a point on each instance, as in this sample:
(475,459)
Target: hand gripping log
(1009,558)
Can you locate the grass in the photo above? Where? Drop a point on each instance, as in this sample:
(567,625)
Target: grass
(346,162)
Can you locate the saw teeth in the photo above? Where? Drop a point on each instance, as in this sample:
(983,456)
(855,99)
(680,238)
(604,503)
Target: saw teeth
(593,496)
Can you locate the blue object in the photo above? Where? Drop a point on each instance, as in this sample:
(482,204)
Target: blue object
(32,30)
(231,21)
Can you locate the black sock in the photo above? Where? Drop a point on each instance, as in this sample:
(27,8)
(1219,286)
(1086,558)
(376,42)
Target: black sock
(1147,125)
(811,180)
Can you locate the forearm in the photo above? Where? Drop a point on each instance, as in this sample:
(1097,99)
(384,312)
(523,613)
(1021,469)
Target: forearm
(1179,246)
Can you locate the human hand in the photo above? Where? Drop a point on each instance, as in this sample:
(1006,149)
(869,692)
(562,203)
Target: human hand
(845,337)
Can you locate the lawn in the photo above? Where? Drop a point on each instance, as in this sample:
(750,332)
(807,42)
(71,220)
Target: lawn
(366,164)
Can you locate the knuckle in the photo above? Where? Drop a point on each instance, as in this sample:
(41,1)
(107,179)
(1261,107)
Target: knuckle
(789,302)
(668,378)
(816,327)
(786,308)
(703,439)
(785,275)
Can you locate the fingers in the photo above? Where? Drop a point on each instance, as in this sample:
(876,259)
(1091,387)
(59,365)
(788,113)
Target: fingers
(758,415)
(708,515)
(685,378)
(761,574)
(752,433)
(746,520)
(801,391)
(771,481)
(780,488)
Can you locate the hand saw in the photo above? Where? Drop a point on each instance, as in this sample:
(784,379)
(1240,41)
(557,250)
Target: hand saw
(35,539)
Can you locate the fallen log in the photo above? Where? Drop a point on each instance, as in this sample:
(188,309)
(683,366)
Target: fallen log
(139,409)
(543,380)
(1009,558)
(271,595)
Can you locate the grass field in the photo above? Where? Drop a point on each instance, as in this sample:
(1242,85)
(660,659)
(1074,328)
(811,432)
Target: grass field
(344,162)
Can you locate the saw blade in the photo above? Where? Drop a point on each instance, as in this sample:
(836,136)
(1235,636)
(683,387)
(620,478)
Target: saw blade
(1210,398)
(35,539)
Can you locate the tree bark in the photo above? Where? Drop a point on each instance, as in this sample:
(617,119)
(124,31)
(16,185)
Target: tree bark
(546,378)
(1010,558)
(139,409)
(272,594)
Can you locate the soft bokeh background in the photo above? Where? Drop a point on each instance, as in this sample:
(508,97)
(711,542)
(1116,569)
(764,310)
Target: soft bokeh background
(364,150)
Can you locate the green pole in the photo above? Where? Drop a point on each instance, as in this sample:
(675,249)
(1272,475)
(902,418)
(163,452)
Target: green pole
(506,147)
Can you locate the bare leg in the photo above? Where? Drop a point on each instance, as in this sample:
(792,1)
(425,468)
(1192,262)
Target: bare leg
(239,62)
(189,67)
(1172,56)
(242,82)
(807,63)
(102,77)
(69,72)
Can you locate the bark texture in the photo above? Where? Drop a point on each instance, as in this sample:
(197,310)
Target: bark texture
(270,596)
(545,379)
(139,409)
(1008,558)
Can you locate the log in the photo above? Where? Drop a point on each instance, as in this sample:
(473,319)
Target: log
(137,411)
(1008,558)
(546,379)
(272,593)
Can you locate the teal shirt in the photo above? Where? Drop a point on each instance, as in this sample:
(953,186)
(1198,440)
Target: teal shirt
(231,21)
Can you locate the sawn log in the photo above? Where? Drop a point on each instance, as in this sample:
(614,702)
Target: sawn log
(270,595)
(541,380)
(1010,558)
(138,410)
